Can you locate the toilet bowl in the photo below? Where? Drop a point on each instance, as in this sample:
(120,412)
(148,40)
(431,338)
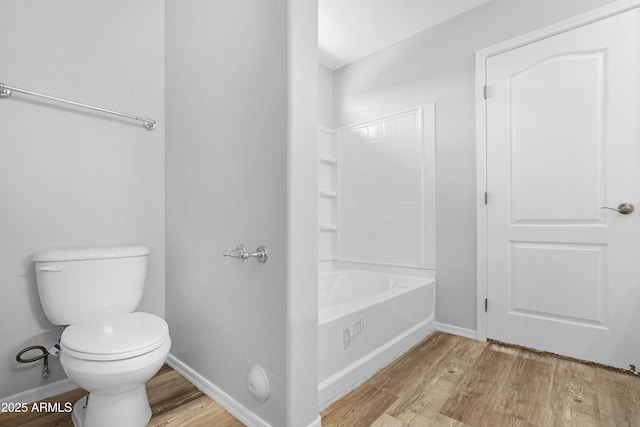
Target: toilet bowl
(106,348)
(113,358)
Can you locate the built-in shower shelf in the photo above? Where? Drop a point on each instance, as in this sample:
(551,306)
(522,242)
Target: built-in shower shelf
(328,227)
(327,165)
(328,161)
(325,193)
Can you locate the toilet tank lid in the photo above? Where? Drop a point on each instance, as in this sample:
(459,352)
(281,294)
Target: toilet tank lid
(76,254)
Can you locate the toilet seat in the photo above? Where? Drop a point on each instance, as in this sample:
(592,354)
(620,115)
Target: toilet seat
(117,337)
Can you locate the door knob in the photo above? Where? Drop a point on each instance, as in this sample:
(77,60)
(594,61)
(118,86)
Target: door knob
(623,208)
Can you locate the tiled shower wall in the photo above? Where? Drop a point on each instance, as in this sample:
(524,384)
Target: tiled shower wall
(377,186)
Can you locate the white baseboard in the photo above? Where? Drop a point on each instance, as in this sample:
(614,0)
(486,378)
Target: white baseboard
(316,423)
(234,407)
(41,392)
(456,330)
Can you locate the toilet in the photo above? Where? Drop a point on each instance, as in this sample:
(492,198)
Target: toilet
(106,348)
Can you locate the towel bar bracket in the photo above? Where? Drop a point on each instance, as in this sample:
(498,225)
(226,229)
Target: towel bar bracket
(241,252)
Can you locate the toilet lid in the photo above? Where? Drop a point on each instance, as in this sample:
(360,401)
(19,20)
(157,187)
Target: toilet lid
(116,337)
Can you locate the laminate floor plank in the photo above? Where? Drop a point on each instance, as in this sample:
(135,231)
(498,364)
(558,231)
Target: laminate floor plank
(477,391)
(434,419)
(432,388)
(360,408)
(526,394)
(169,390)
(35,418)
(386,420)
(56,420)
(395,377)
(618,399)
(573,396)
(200,412)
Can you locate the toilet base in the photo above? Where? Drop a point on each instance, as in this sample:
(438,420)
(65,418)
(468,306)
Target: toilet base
(128,409)
(79,411)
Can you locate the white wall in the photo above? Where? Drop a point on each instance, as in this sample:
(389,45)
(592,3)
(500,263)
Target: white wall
(230,166)
(438,66)
(302,214)
(325,96)
(70,178)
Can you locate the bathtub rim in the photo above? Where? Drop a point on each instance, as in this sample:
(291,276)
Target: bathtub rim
(325,314)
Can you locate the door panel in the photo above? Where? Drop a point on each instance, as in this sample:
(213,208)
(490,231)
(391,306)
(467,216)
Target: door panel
(563,139)
(563,93)
(557,281)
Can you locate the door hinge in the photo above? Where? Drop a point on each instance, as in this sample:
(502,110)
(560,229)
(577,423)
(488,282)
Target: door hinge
(484,92)
(486,305)
(486,198)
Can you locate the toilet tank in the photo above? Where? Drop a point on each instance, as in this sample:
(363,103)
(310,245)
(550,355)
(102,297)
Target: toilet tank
(84,283)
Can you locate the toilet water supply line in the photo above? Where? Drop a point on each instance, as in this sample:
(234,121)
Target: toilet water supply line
(53,351)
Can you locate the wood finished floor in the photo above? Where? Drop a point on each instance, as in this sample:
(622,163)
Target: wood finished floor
(448,380)
(445,380)
(174,402)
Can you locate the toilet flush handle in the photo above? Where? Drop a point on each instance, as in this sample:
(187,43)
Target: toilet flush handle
(55,267)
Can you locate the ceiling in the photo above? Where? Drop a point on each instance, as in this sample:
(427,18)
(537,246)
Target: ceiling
(352,29)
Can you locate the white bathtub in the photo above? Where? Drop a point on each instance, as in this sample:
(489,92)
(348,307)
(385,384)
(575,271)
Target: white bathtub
(366,320)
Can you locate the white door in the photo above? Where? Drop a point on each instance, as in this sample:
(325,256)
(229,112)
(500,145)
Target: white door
(563,141)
